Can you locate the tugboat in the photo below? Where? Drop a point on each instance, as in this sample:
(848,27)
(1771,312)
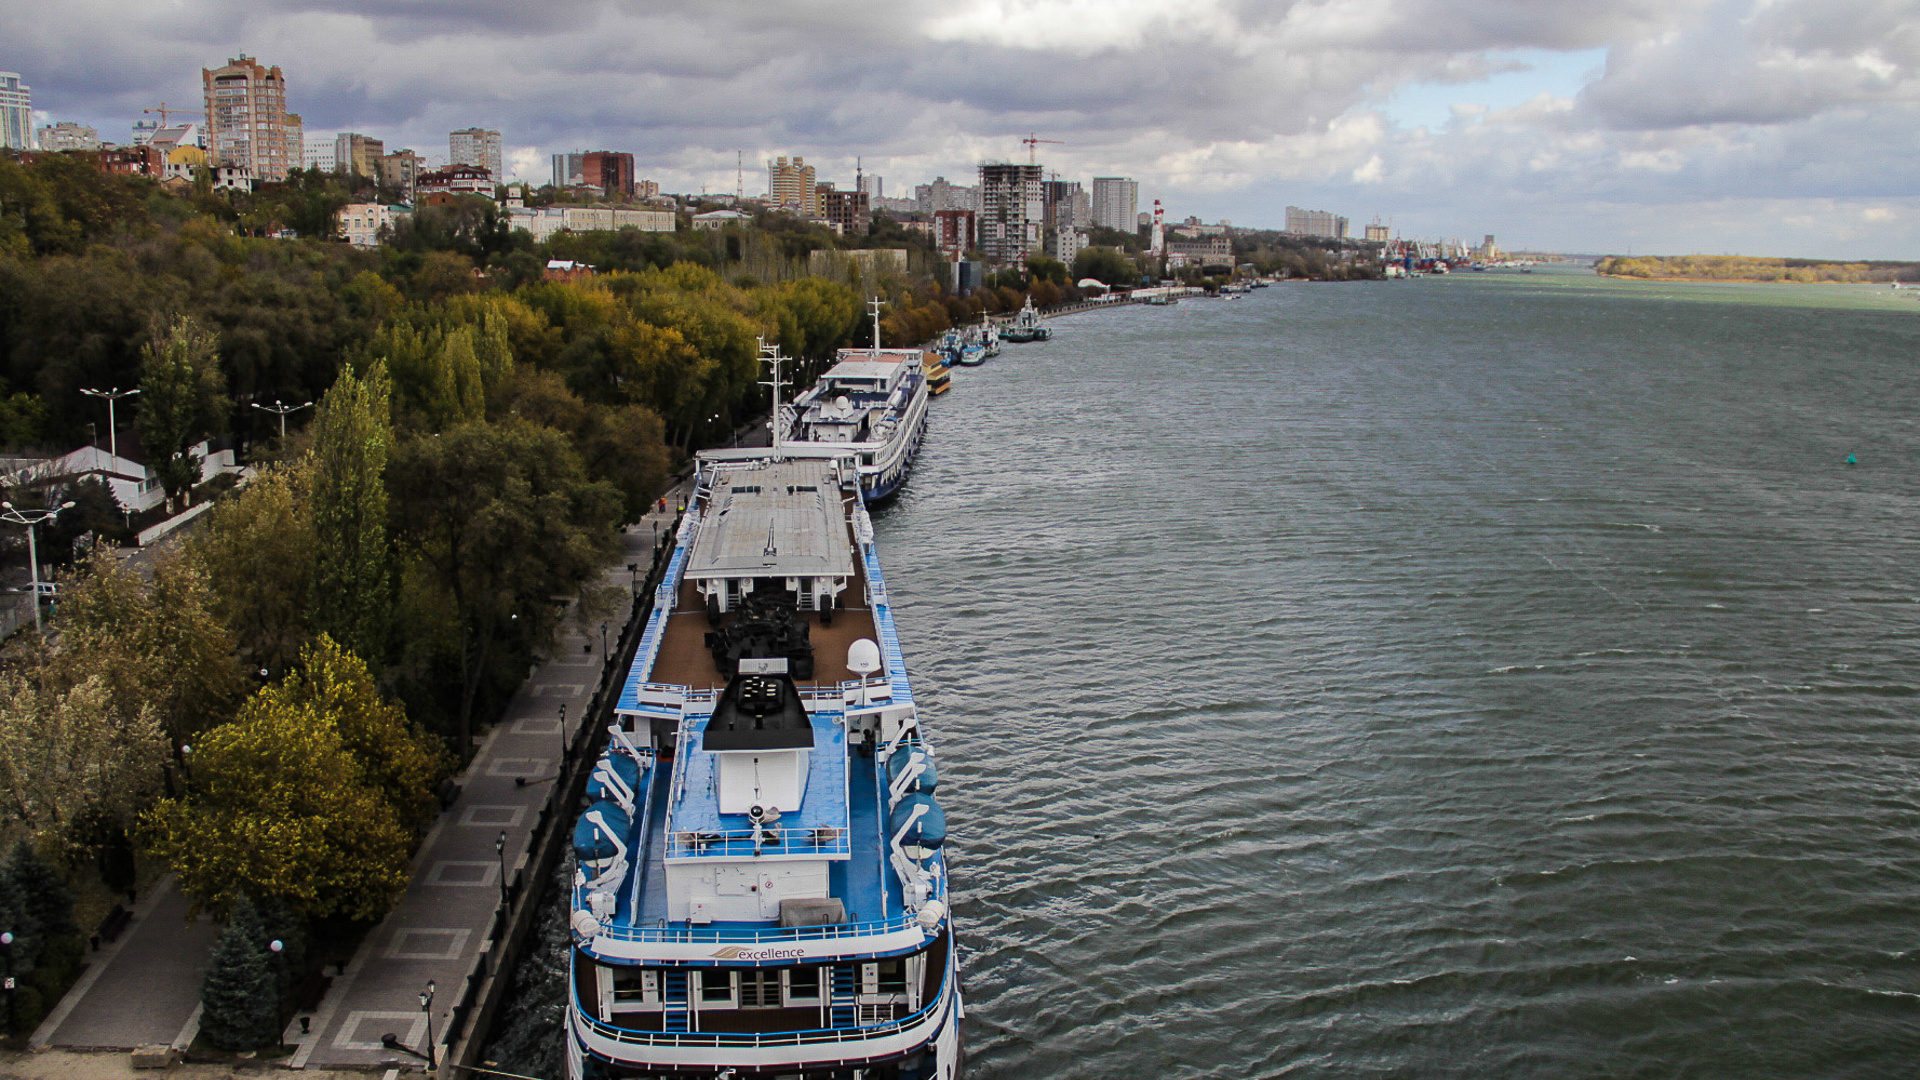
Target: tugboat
(872,404)
(1026,326)
(762,881)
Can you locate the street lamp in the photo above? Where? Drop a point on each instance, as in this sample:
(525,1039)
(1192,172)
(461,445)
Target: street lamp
(281,411)
(112,395)
(500,852)
(279,1028)
(6,946)
(426,1006)
(566,745)
(30,518)
(604,623)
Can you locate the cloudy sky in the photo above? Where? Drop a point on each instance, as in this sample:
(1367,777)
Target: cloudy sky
(1765,127)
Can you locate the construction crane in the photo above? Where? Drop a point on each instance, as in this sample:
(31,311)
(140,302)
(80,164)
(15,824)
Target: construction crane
(1033,142)
(163,111)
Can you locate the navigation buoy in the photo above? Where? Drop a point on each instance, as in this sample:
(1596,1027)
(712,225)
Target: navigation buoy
(1851,460)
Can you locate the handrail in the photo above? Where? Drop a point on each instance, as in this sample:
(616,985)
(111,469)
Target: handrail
(812,840)
(731,1039)
(683,935)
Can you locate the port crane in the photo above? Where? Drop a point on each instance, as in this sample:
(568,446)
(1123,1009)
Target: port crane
(1032,141)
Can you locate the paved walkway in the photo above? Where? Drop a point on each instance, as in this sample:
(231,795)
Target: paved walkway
(441,926)
(143,990)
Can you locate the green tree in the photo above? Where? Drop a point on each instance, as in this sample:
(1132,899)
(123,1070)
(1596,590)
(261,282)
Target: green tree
(69,757)
(182,398)
(257,552)
(1109,265)
(394,757)
(280,807)
(500,517)
(352,585)
(239,1001)
(48,899)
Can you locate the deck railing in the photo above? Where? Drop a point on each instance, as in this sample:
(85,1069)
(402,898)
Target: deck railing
(739,1040)
(737,843)
(702,935)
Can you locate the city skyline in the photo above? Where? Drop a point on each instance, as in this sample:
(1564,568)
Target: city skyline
(1767,128)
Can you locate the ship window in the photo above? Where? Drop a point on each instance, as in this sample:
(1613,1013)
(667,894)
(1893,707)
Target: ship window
(893,977)
(760,989)
(716,987)
(803,986)
(632,984)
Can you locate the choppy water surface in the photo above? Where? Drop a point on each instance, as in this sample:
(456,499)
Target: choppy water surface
(1487,676)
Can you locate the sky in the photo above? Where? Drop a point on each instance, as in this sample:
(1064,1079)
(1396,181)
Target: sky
(1756,127)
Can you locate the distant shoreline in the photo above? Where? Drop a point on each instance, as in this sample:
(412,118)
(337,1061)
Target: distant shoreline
(1759,271)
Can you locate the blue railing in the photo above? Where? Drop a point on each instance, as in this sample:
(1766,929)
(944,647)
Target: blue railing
(702,935)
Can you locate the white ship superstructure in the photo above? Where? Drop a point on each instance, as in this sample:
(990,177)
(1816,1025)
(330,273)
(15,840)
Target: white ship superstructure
(761,885)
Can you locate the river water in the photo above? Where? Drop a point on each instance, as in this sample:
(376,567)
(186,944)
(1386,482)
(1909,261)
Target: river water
(1498,675)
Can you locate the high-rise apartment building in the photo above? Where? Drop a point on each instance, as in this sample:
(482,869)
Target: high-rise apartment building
(401,169)
(848,211)
(874,189)
(790,184)
(1116,202)
(358,155)
(566,170)
(1322,223)
(1012,212)
(610,171)
(1067,204)
(477,146)
(247,118)
(1377,233)
(941,195)
(16,113)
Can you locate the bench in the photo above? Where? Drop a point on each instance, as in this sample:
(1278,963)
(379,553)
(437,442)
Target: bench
(112,926)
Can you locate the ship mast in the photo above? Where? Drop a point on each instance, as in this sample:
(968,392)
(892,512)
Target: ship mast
(874,306)
(771,354)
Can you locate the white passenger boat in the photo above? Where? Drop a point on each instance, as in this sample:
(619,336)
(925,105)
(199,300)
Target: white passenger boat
(762,884)
(872,404)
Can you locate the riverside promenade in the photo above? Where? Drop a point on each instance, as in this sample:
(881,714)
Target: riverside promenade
(144,989)
(474,863)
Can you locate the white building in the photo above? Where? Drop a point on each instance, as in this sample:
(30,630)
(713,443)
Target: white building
(544,221)
(1066,243)
(477,146)
(361,223)
(720,219)
(319,150)
(16,113)
(67,135)
(1116,202)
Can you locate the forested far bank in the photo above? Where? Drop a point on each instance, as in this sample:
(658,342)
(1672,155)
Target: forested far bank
(1747,268)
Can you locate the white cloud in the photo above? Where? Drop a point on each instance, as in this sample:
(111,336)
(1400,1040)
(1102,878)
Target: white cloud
(1455,117)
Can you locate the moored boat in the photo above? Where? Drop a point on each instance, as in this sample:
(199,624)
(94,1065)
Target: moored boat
(871,404)
(762,886)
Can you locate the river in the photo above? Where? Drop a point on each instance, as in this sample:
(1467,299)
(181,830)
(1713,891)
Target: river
(1497,675)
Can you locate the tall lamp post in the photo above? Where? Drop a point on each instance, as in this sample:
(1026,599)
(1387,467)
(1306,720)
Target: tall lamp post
(112,395)
(426,1006)
(279,1028)
(6,946)
(500,852)
(565,743)
(30,518)
(281,411)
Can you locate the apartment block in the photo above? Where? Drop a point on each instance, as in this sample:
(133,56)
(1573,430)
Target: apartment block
(849,212)
(1012,212)
(791,186)
(358,155)
(16,112)
(610,171)
(477,146)
(247,121)
(1321,223)
(1116,202)
(67,135)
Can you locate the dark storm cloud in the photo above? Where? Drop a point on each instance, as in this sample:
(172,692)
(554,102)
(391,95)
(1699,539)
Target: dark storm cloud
(1214,104)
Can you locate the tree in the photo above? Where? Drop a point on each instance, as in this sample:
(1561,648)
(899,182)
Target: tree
(257,552)
(1109,265)
(182,398)
(68,756)
(280,807)
(352,585)
(239,1001)
(501,517)
(394,757)
(47,897)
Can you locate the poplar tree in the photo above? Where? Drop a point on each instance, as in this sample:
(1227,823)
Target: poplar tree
(352,591)
(182,398)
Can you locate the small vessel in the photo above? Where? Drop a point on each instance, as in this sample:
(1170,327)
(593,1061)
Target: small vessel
(872,404)
(1026,326)
(939,376)
(990,339)
(762,881)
